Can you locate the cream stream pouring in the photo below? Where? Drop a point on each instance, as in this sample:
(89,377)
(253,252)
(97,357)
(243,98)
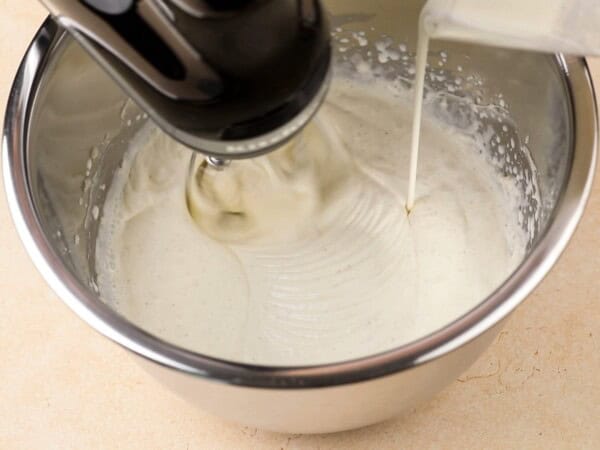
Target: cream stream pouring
(567,26)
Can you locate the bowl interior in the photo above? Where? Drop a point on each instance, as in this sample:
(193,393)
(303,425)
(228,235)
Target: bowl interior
(81,123)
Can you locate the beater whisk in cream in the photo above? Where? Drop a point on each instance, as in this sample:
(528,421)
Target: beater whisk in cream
(263,198)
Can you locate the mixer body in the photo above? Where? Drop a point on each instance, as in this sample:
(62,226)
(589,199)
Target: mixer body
(230,79)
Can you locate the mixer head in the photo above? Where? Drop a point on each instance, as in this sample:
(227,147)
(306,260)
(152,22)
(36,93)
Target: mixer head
(229,78)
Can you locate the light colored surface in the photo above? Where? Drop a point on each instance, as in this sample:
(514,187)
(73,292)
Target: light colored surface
(64,386)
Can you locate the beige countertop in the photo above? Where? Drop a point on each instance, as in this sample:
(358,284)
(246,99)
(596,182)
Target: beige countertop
(62,385)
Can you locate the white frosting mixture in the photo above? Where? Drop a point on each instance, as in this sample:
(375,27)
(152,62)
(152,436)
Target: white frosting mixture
(307,255)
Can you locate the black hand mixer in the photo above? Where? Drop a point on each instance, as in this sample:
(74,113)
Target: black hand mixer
(229,78)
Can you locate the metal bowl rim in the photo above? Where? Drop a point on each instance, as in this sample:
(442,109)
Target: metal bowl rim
(466,328)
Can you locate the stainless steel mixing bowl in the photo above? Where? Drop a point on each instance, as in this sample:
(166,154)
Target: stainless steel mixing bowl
(67,126)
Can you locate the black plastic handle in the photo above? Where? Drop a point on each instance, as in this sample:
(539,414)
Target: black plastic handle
(228,70)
